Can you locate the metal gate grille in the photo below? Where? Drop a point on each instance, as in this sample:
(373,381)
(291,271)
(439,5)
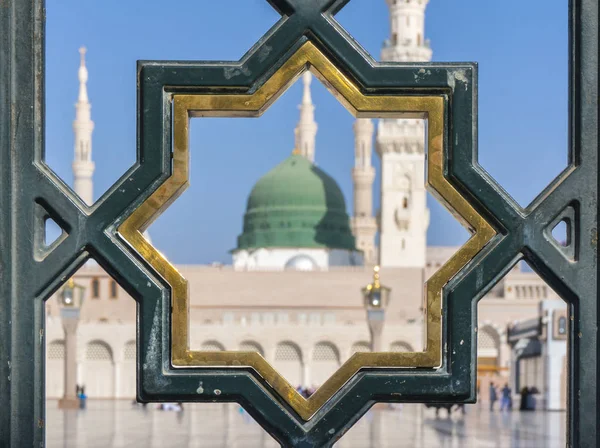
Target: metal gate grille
(170,93)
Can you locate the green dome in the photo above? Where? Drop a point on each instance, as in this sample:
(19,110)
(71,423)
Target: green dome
(296,204)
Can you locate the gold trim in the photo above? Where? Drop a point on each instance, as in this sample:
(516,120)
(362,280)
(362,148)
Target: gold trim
(253,105)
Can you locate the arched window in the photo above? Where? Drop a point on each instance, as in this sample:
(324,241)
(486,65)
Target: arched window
(288,361)
(56,350)
(113,289)
(326,360)
(326,351)
(129,351)
(400,346)
(419,39)
(98,351)
(251,346)
(405,203)
(288,351)
(99,370)
(212,346)
(361,346)
(95,288)
(487,339)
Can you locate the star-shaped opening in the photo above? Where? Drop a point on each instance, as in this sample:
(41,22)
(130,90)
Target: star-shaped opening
(308,56)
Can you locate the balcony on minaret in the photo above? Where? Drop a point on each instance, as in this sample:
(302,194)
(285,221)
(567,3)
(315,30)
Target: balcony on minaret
(363,175)
(393,43)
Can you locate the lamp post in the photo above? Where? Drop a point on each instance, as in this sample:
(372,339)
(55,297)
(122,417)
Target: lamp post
(376,299)
(71,300)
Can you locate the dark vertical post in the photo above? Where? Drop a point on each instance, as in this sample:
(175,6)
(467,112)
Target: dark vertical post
(5,220)
(584,418)
(21,136)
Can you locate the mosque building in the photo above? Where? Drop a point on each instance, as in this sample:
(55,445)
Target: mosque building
(293,289)
(296,214)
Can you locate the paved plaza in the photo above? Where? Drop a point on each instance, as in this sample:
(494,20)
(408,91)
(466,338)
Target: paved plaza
(120,424)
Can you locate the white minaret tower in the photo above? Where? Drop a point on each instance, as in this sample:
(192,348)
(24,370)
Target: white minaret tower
(404,217)
(83,166)
(407,30)
(364,226)
(306,131)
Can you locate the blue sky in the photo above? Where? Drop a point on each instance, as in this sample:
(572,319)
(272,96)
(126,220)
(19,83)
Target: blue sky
(521,50)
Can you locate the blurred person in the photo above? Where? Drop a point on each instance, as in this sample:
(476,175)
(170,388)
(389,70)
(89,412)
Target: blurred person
(505,401)
(531,400)
(524,397)
(493,396)
(82,398)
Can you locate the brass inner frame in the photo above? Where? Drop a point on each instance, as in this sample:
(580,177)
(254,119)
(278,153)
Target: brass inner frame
(309,57)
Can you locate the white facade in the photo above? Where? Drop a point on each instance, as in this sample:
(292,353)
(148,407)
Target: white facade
(554,353)
(304,259)
(539,354)
(305,354)
(304,323)
(404,217)
(105,359)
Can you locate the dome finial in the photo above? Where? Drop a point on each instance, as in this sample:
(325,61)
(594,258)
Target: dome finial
(296,152)
(82,51)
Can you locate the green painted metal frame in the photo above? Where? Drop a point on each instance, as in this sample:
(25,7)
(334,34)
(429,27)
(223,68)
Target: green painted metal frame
(29,190)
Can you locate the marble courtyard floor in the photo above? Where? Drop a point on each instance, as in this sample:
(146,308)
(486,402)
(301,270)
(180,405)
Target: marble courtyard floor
(119,424)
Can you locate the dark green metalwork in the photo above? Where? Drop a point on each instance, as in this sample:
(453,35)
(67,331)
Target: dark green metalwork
(29,190)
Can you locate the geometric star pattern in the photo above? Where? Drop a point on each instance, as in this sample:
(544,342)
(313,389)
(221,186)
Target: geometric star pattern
(308,56)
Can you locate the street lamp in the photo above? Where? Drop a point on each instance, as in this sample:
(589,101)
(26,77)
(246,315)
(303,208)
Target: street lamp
(376,299)
(71,300)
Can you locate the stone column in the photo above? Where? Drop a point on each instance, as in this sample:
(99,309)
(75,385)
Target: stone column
(119,423)
(70,426)
(70,319)
(80,363)
(376,435)
(118,393)
(306,375)
(514,373)
(229,424)
(375,319)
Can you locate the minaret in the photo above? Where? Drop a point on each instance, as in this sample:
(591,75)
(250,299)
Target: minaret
(407,30)
(306,130)
(404,215)
(83,166)
(364,225)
